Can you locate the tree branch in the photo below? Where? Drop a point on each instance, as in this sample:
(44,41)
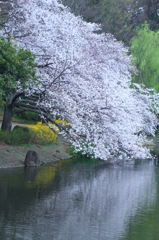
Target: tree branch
(14,97)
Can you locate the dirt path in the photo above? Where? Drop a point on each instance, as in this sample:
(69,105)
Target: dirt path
(15,124)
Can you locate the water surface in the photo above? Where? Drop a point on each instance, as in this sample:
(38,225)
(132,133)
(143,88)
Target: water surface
(76,200)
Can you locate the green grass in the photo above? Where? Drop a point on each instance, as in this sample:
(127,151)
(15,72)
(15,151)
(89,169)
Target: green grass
(16,137)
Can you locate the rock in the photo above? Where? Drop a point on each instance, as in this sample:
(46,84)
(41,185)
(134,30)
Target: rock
(32,159)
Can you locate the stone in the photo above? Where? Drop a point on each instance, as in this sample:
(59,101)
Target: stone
(32,159)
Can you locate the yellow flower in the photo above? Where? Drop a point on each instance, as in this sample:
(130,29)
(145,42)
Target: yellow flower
(43,134)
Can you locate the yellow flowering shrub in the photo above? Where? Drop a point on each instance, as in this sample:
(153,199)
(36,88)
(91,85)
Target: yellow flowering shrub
(42,134)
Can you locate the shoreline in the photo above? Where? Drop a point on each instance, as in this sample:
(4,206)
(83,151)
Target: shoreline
(14,156)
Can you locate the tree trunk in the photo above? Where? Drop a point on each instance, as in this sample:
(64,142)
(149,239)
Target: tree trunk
(7,119)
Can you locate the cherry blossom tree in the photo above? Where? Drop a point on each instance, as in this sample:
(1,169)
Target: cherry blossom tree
(85,78)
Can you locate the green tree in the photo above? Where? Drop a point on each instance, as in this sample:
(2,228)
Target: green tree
(145,50)
(152,13)
(17,74)
(114,16)
(118,17)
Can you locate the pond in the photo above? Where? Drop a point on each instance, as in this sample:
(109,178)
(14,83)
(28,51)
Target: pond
(80,200)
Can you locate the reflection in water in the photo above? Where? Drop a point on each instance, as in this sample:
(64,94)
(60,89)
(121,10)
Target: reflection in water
(73,200)
(41,179)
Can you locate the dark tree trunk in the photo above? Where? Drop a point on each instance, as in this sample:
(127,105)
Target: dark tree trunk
(7,119)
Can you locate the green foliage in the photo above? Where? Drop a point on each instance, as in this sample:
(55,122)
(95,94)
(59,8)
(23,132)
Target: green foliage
(27,117)
(79,154)
(17,66)
(118,17)
(115,17)
(145,50)
(71,151)
(16,137)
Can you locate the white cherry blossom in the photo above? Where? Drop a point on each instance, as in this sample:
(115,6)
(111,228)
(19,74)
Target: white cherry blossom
(86,77)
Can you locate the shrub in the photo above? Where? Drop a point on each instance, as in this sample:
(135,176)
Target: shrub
(42,134)
(28,116)
(16,137)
